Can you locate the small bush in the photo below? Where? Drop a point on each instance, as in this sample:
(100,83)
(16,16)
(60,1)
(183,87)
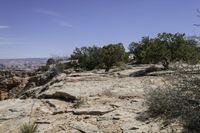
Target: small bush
(164,101)
(50,61)
(28,128)
(179,100)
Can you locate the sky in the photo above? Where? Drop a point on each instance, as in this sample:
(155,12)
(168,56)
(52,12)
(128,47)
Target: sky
(46,28)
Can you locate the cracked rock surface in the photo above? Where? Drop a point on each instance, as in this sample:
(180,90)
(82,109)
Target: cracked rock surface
(87,102)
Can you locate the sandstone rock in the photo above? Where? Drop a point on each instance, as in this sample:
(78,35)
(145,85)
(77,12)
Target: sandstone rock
(57,104)
(129,127)
(4,94)
(55,107)
(41,79)
(53,111)
(138,73)
(85,127)
(15,112)
(93,111)
(160,73)
(32,90)
(7,84)
(58,95)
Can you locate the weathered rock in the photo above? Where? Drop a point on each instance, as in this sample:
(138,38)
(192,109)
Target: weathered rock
(111,104)
(15,112)
(58,95)
(7,85)
(92,111)
(41,79)
(85,127)
(4,94)
(138,73)
(160,73)
(32,90)
(129,127)
(55,106)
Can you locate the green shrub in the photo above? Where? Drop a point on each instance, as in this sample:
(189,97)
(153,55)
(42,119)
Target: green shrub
(96,57)
(50,61)
(28,128)
(188,53)
(179,100)
(165,48)
(113,54)
(88,57)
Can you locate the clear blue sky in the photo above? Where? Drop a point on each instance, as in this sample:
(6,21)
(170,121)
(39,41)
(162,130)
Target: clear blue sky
(44,28)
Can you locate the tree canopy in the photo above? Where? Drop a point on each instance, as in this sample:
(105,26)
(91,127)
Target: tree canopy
(165,48)
(97,57)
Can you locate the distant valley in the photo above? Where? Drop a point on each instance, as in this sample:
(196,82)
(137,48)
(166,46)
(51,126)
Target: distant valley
(22,63)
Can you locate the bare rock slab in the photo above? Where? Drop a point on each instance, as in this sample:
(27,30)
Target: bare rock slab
(85,127)
(92,111)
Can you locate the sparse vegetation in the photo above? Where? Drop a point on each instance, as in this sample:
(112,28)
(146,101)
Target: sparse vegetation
(28,128)
(178,100)
(99,66)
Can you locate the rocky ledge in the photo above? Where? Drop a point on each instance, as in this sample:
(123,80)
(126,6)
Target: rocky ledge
(86,102)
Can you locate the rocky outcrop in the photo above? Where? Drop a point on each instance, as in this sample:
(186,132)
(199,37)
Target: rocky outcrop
(85,102)
(31,90)
(40,79)
(4,94)
(8,82)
